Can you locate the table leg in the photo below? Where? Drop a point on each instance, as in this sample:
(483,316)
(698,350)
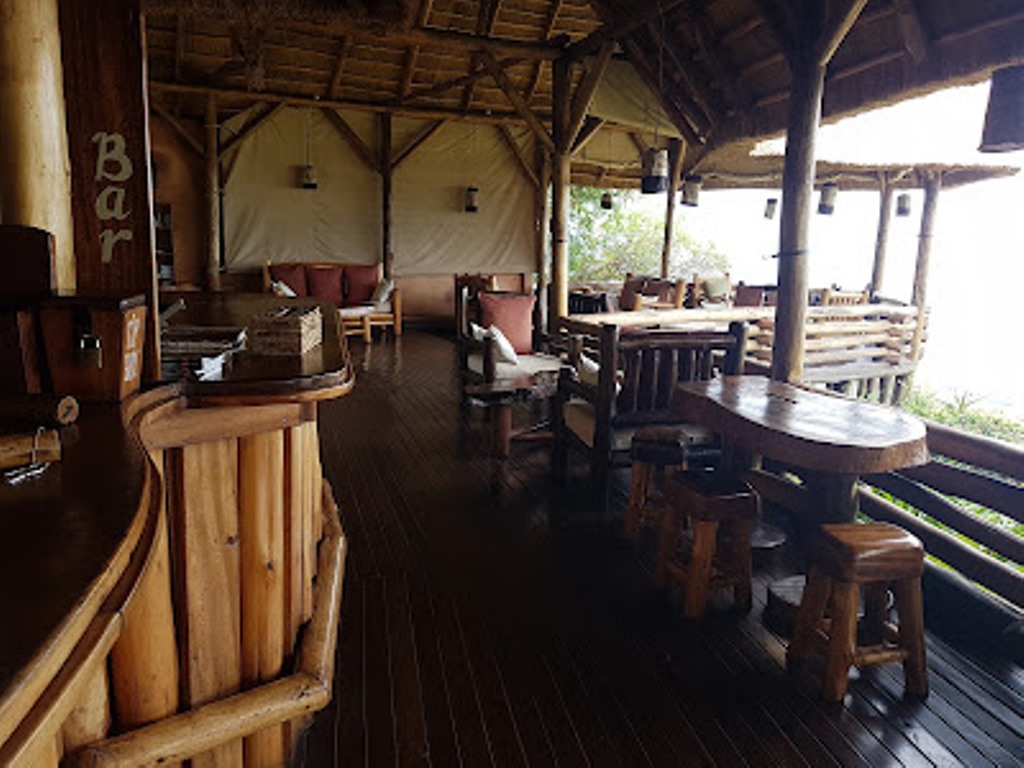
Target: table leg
(501,430)
(834,495)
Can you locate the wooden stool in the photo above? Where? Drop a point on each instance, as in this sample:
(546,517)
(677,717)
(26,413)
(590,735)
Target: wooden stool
(664,450)
(842,559)
(709,499)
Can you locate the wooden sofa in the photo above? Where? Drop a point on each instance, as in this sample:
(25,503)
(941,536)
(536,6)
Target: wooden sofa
(350,287)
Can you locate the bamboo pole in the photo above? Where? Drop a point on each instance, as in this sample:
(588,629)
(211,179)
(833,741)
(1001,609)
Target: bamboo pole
(797,189)
(386,170)
(540,215)
(35,186)
(932,187)
(882,238)
(561,169)
(213,194)
(675,168)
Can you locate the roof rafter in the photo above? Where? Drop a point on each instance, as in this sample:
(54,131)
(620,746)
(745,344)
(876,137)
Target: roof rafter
(487,14)
(516,99)
(593,42)
(914,36)
(353,139)
(339,65)
(251,126)
(549,27)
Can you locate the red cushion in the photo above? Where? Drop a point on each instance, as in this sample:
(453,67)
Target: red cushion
(360,282)
(513,314)
(325,283)
(292,275)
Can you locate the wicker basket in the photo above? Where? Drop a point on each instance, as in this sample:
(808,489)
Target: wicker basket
(285,330)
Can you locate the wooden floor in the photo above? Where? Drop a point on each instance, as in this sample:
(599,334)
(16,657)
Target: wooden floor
(483,628)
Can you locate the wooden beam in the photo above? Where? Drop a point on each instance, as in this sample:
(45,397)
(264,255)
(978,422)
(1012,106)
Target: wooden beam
(676,149)
(780,18)
(614,32)
(681,71)
(589,130)
(932,183)
(409,69)
(519,155)
(516,99)
(487,117)
(561,169)
(915,39)
(721,65)
(840,18)
(416,143)
(339,66)
(549,27)
(882,234)
(251,127)
(456,82)
(194,144)
(179,45)
(487,14)
(384,163)
(640,144)
(352,139)
(585,91)
(212,197)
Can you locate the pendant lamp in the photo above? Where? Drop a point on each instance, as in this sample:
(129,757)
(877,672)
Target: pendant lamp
(770,207)
(827,202)
(691,190)
(655,171)
(903,204)
(1004,118)
(472,195)
(606,201)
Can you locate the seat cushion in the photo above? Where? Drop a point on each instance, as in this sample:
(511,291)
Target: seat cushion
(292,275)
(360,282)
(526,365)
(352,313)
(325,283)
(512,313)
(867,552)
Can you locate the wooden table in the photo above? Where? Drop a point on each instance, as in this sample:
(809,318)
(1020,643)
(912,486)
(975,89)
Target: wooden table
(833,440)
(499,396)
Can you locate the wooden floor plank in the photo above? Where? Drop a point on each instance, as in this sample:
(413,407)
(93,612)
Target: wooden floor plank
(504,628)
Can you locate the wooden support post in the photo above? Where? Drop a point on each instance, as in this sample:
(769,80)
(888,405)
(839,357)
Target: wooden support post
(561,161)
(35,186)
(385,191)
(542,169)
(797,190)
(675,168)
(919,297)
(882,239)
(213,194)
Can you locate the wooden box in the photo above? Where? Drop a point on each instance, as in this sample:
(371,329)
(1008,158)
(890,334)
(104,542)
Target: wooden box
(94,345)
(286,330)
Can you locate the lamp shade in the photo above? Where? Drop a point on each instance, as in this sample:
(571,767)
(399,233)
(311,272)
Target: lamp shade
(903,204)
(1004,118)
(472,195)
(770,206)
(654,163)
(606,201)
(691,190)
(827,202)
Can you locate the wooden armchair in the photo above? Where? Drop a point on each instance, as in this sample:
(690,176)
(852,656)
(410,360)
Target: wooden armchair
(480,360)
(636,375)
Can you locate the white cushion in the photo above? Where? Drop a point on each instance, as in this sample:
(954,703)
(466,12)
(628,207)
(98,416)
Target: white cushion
(382,294)
(502,346)
(588,371)
(281,289)
(478,332)
(360,310)
(527,365)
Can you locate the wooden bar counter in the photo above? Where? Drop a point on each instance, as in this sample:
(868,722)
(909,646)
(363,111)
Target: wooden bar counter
(171,586)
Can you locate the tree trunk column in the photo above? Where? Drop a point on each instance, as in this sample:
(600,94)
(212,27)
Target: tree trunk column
(386,171)
(213,194)
(882,238)
(35,185)
(932,187)
(797,190)
(675,168)
(561,171)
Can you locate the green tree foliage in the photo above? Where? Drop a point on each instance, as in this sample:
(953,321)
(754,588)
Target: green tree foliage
(605,244)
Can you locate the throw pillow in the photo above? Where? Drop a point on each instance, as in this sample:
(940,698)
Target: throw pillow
(292,275)
(281,290)
(325,283)
(503,347)
(382,293)
(478,333)
(360,282)
(513,314)
(588,371)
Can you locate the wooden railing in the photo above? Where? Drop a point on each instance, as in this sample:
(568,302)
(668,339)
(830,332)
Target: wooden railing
(976,469)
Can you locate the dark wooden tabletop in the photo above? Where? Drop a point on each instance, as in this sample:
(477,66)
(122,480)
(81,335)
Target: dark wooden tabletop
(808,429)
(325,367)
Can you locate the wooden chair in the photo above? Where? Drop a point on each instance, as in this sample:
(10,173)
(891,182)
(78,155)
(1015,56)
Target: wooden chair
(637,374)
(843,559)
(831,297)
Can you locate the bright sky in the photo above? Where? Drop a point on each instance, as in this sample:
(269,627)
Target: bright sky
(977,265)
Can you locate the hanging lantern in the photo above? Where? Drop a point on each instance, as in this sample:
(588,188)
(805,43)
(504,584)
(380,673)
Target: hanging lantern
(903,204)
(691,190)
(606,201)
(1004,118)
(472,194)
(308,177)
(655,171)
(827,201)
(770,207)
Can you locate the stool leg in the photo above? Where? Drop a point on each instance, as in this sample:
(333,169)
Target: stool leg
(742,566)
(910,609)
(668,542)
(876,613)
(810,615)
(698,572)
(842,640)
(640,477)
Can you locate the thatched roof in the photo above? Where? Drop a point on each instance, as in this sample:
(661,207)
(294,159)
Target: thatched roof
(718,65)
